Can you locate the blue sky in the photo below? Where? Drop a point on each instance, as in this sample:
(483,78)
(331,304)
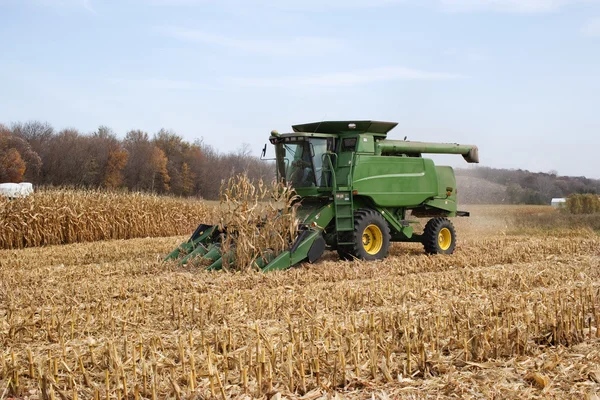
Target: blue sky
(519,78)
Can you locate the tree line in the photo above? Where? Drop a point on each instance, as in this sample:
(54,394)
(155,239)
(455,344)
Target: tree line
(162,162)
(525,187)
(166,163)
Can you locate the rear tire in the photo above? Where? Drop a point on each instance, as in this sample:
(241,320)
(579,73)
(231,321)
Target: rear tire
(439,236)
(371,237)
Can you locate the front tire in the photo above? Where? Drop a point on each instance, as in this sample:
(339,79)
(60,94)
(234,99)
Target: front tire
(439,236)
(371,237)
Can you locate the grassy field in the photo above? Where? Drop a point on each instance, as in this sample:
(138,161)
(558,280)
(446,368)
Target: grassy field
(514,313)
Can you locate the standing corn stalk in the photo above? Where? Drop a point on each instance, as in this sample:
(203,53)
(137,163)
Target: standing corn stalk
(258,221)
(50,217)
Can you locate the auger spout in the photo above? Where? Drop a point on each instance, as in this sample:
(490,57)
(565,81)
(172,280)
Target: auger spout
(469,152)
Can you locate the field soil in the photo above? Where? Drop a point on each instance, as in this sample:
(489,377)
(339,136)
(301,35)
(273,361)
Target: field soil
(514,313)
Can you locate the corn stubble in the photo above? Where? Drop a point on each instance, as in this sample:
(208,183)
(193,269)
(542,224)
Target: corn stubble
(506,316)
(51,217)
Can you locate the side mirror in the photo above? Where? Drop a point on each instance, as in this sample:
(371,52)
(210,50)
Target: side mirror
(264,152)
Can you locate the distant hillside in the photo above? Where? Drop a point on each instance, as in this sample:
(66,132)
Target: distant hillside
(484,185)
(473,190)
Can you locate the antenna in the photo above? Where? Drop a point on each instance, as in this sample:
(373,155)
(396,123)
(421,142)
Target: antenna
(322,119)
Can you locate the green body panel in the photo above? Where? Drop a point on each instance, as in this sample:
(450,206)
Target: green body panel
(366,144)
(395,181)
(397,229)
(317,215)
(446,180)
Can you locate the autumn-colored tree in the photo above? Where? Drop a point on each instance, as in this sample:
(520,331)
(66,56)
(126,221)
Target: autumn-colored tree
(187,178)
(139,172)
(24,156)
(195,159)
(174,148)
(159,167)
(209,181)
(99,147)
(113,177)
(163,163)
(36,135)
(68,162)
(12,166)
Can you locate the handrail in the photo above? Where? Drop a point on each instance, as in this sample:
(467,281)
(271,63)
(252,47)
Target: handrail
(351,171)
(333,177)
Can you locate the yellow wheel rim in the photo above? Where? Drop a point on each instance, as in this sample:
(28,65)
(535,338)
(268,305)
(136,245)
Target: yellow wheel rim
(372,239)
(445,238)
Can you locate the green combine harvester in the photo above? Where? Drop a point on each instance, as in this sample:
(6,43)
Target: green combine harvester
(355,189)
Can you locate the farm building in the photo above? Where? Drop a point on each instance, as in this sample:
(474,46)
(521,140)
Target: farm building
(558,202)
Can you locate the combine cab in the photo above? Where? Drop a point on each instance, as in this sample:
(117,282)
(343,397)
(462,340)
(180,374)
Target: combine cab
(355,187)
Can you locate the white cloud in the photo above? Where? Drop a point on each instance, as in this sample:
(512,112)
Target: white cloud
(282,47)
(591,28)
(338,79)
(509,6)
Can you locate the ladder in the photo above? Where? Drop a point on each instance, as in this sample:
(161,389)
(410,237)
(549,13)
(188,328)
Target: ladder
(343,204)
(344,215)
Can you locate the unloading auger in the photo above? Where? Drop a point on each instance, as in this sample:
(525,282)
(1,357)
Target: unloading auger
(355,188)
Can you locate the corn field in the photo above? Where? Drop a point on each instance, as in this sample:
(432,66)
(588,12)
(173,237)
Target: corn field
(509,315)
(583,204)
(72,216)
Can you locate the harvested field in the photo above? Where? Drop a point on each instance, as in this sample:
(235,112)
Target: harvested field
(509,315)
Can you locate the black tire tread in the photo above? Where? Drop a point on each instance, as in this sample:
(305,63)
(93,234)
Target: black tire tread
(430,235)
(355,250)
